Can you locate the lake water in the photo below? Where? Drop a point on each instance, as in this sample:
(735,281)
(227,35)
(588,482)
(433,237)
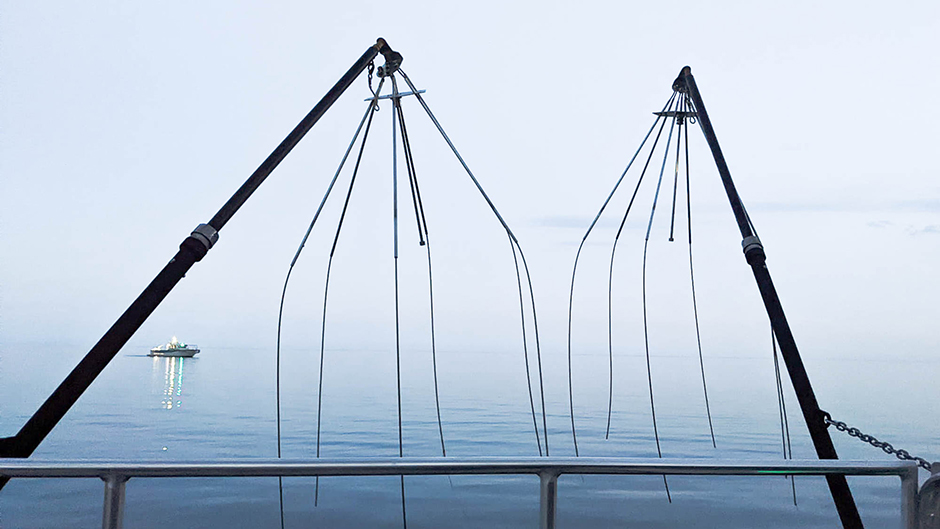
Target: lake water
(220,405)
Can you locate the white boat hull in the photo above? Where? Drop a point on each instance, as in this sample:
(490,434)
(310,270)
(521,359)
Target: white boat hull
(184,353)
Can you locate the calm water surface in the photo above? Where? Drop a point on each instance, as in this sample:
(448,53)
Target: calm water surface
(220,405)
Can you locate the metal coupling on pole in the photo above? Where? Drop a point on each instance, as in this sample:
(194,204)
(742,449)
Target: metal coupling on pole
(205,234)
(753,250)
(200,241)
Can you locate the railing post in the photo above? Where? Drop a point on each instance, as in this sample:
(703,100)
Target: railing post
(909,499)
(548,499)
(113,517)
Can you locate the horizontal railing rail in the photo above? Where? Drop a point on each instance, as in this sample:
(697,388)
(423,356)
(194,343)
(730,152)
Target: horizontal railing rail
(115,473)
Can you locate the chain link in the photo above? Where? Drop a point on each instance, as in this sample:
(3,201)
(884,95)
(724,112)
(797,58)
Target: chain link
(903,455)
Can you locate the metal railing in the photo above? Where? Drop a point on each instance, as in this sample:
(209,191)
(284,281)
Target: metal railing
(116,474)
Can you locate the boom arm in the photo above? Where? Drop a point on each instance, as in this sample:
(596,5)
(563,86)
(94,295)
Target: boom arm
(192,250)
(754,253)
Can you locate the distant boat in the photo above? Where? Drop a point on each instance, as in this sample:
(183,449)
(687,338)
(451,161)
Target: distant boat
(175,348)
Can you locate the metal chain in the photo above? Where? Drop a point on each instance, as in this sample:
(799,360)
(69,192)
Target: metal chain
(903,455)
(372,69)
(375,100)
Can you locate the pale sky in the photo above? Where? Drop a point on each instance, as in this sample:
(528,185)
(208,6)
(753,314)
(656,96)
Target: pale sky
(124,125)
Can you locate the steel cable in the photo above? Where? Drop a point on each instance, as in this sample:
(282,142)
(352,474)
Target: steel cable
(525,350)
(326,287)
(509,232)
(280,313)
(782,408)
(698,335)
(574,272)
(675,181)
(649,373)
(613,252)
(425,240)
(401,449)
(409,165)
(538,352)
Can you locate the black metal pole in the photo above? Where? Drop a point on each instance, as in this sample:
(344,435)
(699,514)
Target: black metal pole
(754,253)
(192,250)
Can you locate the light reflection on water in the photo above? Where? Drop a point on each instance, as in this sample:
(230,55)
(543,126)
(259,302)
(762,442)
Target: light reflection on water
(229,414)
(172,368)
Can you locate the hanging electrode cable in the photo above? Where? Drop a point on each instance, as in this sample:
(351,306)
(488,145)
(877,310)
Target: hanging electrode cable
(525,349)
(424,240)
(373,105)
(688,208)
(646,341)
(427,238)
(535,324)
(409,167)
(613,253)
(401,449)
(512,238)
(574,271)
(782,409)
(680,116)
(280,313)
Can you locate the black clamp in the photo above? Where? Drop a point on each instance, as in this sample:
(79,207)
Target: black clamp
(680,85)
(753,250)
(392,58)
